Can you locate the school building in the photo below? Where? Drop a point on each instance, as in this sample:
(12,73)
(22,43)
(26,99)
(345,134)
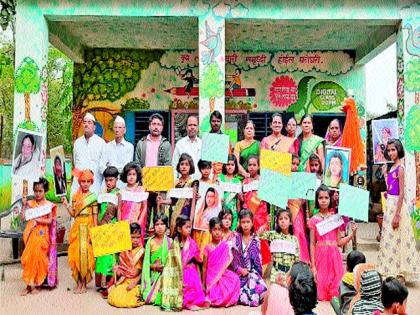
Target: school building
(245,58)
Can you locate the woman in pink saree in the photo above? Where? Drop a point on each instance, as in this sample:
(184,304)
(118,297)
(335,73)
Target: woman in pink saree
(222,285)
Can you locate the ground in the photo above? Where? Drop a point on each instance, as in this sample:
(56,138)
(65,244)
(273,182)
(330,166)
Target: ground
(62,301)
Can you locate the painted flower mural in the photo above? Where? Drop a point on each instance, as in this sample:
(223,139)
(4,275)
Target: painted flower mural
(283,92)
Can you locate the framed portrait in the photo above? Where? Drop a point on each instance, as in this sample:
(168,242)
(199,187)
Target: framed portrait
(58,165)
(27,155)
(208,206)
(336,166)
(382,131)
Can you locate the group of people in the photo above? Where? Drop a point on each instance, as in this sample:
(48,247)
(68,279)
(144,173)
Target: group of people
(175,266)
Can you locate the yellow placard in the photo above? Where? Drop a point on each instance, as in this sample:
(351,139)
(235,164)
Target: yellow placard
(159,178)
(111,238)
(276,161)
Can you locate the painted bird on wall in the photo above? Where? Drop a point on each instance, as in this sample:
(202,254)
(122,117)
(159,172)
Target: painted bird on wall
(214,44)
(413,39)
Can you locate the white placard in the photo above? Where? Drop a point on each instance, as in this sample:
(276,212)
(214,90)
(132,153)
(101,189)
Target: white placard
(135,196)
(251,186)
(283,246)
(112,198)
(329,224)
(231,187)
(181,193)
(32,213)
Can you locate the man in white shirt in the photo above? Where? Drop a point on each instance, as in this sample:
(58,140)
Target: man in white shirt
(118,151)
(88,152)
(190,144)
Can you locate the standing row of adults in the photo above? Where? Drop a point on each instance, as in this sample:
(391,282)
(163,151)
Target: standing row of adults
(91,151)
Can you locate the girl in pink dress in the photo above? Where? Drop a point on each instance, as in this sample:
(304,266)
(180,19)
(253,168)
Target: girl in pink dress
(194,298)
(326,261)
(134,212)
(222,285)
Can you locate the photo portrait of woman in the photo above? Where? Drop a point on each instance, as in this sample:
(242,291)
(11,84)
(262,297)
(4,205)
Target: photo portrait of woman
(337,167)
(26,163)
(210,208)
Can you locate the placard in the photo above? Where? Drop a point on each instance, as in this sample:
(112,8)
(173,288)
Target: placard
(282,246)
(215,148)
(33,213)
(208,206)
(159,178)
(111,238)
(181,193)
(134,196)
(106,197)
(274,188)
(276,161)
(252,186)
(329,224)
(304,186)
(231,187)
(354,202)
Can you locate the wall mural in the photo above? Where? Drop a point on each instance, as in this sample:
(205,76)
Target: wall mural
(119,80)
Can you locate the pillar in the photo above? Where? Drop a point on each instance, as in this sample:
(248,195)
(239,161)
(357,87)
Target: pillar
(31,91)
(212,67)
(408,100)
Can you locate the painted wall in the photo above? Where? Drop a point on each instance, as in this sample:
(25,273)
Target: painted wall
(117,80)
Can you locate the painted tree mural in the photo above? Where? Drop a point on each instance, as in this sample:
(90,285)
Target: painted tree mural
(108,74)
(28,81)
(212,85)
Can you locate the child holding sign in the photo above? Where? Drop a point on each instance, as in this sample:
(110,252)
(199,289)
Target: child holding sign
(247,263)
(130,207)
(126,292)
(185,168)
(84,210)
(222,285)
(326,261)
(231,200)
(285,252)
(107,214)
(38,260)
(258,207)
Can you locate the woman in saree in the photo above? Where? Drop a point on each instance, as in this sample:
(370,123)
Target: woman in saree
(126,291)
(39,258)
(245,148)
(84,210)
(222,285)
(185,168)
(334,133)
(161,281)
(276,141)
(307,143)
